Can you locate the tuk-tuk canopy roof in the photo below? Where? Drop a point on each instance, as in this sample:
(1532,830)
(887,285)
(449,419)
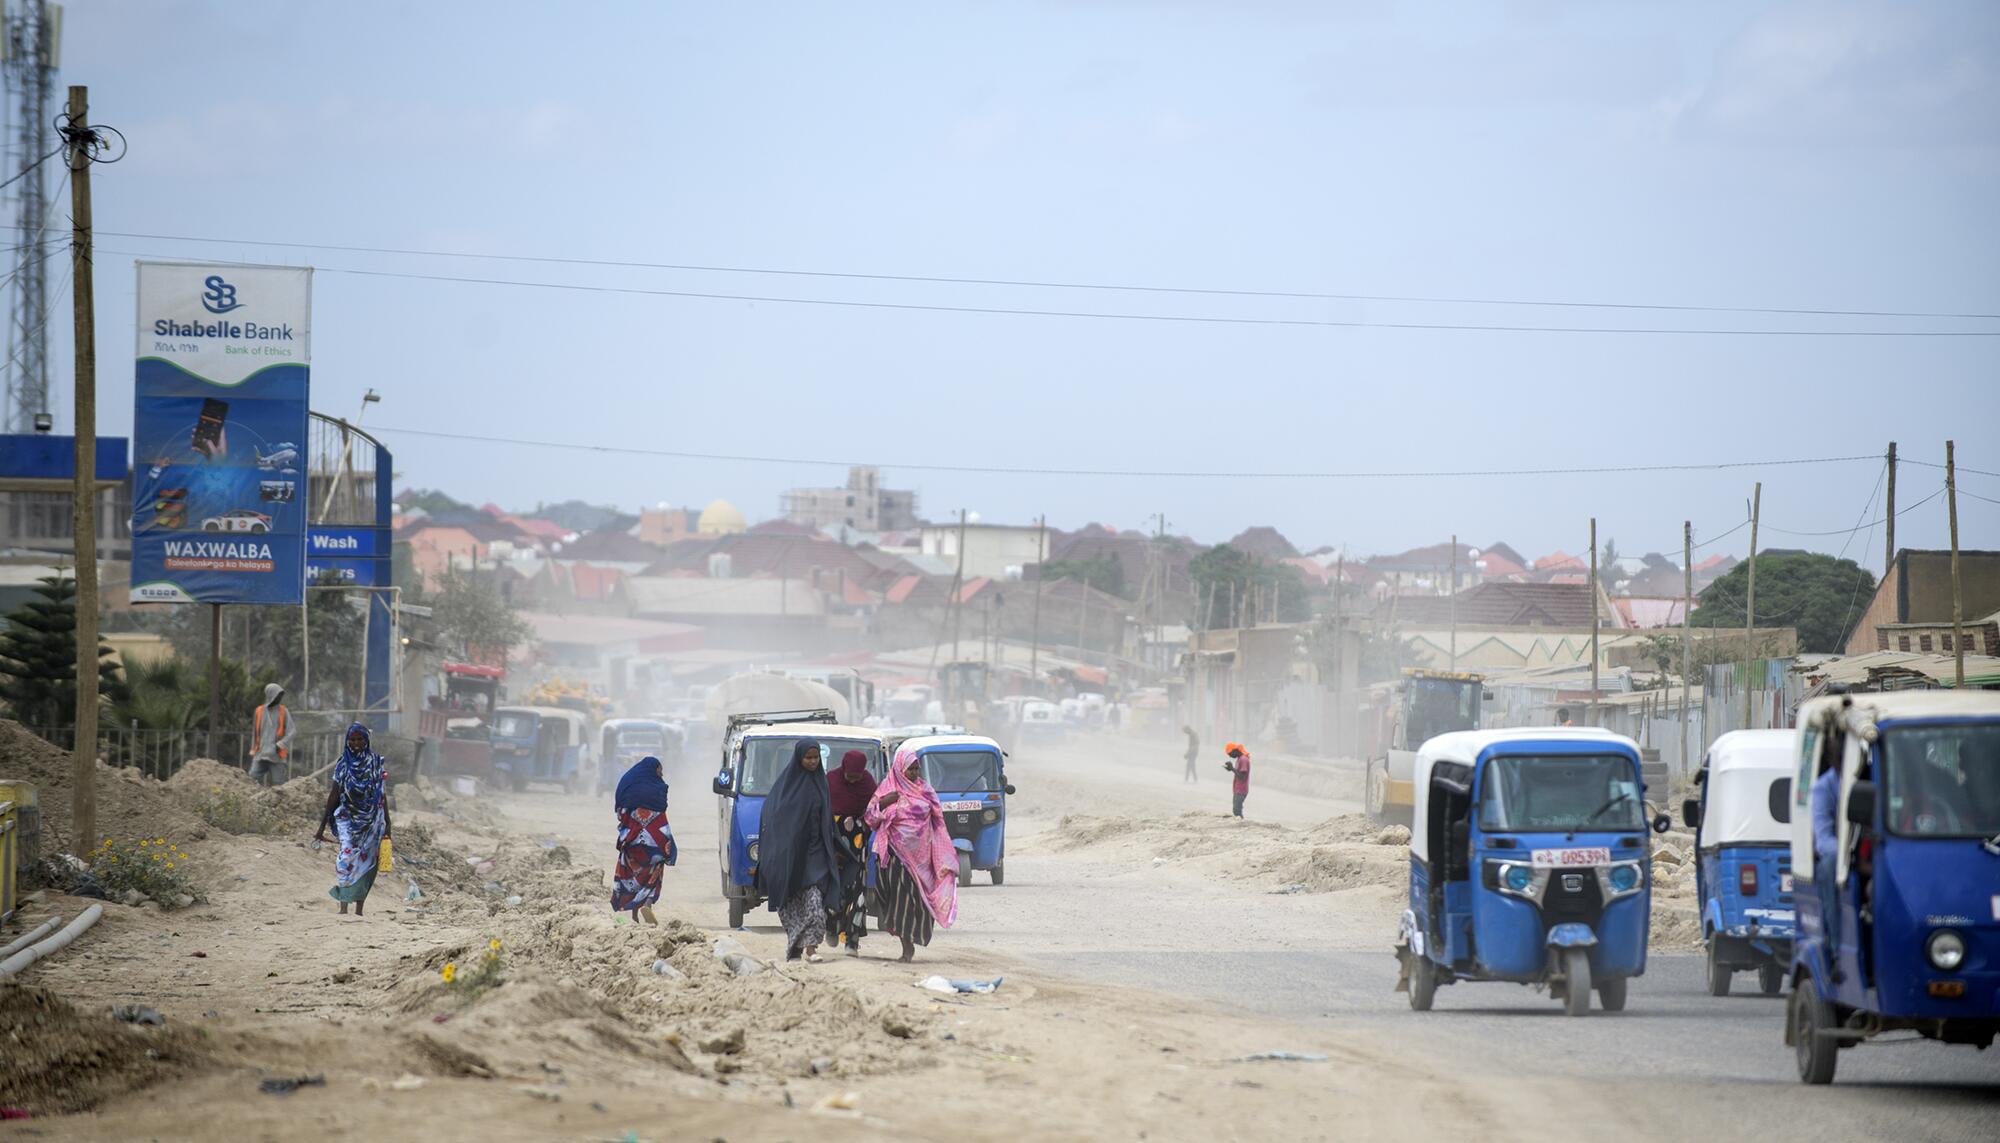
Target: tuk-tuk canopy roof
(622,723)
(1464,748)
(576,719)
(1740,769)
(810,730)
(1864,711)
(950,742)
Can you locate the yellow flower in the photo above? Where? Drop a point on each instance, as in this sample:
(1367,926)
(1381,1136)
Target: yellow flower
(170,865)
(494,944)
(449,972)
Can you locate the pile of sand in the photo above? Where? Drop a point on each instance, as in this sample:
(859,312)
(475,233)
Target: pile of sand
(129,805)
(227,798)
(60,1059)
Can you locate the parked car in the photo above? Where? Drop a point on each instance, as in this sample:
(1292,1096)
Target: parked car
(238,520)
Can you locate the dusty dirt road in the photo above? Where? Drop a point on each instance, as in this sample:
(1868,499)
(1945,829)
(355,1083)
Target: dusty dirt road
(1148,945)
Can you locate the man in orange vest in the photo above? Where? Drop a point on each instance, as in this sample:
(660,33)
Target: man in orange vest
(271,740)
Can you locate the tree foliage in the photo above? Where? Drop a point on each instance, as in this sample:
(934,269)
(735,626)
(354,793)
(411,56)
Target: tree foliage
(38,658)
(471,618)
(1226,581)
(1818,595)
(1104,573)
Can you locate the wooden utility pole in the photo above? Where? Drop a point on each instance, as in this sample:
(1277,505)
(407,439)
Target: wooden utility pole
(1041,562)
(215,673)
(957,585)
(83,757)
(1454,601)
(1957,596)
(1687,639)
(1590,719)
(1889,518)
(1750,611)
(1339,655)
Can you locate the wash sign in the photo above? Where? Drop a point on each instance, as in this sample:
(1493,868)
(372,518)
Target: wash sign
(219,489)
(357,556)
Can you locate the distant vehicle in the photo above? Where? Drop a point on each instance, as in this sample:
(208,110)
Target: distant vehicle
(1429,703)
(626,740)
(756,747)
(1528,863)
(542,744)
(969,774)
(1743,856)
(238,520)
(279,459)
(460,720)
(1915,942)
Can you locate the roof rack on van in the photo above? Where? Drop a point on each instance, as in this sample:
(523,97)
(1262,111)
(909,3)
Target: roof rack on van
(770,717)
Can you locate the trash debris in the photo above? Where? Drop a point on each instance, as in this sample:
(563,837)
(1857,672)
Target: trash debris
(199,954)
(514,902)
(1297,887)
(821,1065)
(286,1085)
(663,968)
(137,1014)
(413,893)
(736,957)
(1284,1057)
(15,1113)
(940,984)
(845,1103)
(541,1093)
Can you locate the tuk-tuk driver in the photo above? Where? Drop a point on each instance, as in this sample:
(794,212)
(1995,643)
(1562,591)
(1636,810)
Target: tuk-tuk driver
(1826,856)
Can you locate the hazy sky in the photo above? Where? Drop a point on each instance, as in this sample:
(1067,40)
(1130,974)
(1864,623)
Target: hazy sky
(1841,156)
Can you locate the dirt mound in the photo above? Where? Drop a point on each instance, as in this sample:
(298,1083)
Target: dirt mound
(227,798)
(61,1059)
(129,805)
(1332,868)
(1192,834)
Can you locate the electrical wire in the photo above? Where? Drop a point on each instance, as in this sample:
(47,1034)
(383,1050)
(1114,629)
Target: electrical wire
(1107,315)
(24,172)
(1934,464)
(1977,496)
(673,454)
(1046,284)
(1850,531)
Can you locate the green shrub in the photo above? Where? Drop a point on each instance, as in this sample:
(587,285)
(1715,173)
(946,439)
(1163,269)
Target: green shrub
(154,866)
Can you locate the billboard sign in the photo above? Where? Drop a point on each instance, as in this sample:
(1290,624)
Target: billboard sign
(354,556)
(219,421)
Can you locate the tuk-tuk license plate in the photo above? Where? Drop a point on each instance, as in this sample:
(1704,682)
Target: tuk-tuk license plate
(1784,883)
(1571,858)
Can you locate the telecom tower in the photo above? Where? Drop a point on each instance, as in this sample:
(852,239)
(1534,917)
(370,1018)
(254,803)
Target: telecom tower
(30,43)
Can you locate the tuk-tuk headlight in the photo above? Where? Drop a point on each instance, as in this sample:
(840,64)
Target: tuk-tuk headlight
(1946,950)
(990,816)
(1517,878)
(753,849)
(1624,878)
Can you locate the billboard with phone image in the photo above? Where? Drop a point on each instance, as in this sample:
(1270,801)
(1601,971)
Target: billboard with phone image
(220,409)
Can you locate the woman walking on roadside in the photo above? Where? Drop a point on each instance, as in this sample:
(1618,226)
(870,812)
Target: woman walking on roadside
(848,790)
(358,810)
(798,864)
(917,866)
(645,841)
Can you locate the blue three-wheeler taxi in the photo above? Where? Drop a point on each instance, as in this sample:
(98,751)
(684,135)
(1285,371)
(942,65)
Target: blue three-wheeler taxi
(1743,848)
(1528,863)
(1900,930)
(967,772)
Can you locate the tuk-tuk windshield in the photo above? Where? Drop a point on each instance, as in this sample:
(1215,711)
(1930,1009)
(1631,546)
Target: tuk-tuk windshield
(962,771)
(766,758)
(514,724)
(637,739)
(1560,792)
(1944,781)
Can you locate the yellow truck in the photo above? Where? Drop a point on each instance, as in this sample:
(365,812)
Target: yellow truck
(1427,703)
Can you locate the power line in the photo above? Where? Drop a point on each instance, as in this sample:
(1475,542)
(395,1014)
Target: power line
(1105,315)
(1872,523)
(673,454)
(1977,496)
(1048,284)
(1933,464)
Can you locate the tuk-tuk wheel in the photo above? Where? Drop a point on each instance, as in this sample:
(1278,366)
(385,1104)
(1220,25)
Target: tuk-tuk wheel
(1811,1014)
(1423,983)
(1771,978)
(1576,981)
(1611,994)
(998,873)
(1375,797)
(737,907)
(964,870)
(1718,972)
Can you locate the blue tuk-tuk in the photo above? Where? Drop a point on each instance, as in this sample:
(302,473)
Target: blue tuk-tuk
(626,740)
(541,744)
(755,750)
(1528,863)
(1743,850)
(969,774)
(1901,928)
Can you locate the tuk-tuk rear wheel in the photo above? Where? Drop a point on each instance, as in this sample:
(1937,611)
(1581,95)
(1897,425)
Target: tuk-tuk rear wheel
(1718,972)
(998,873)
(964,870)
(1811,1014)
(1576,981)
(1771,978)
(1611,994)
(1423,983)
(737,907)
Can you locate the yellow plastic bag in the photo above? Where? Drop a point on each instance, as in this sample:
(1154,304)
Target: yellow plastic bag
(388,860)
